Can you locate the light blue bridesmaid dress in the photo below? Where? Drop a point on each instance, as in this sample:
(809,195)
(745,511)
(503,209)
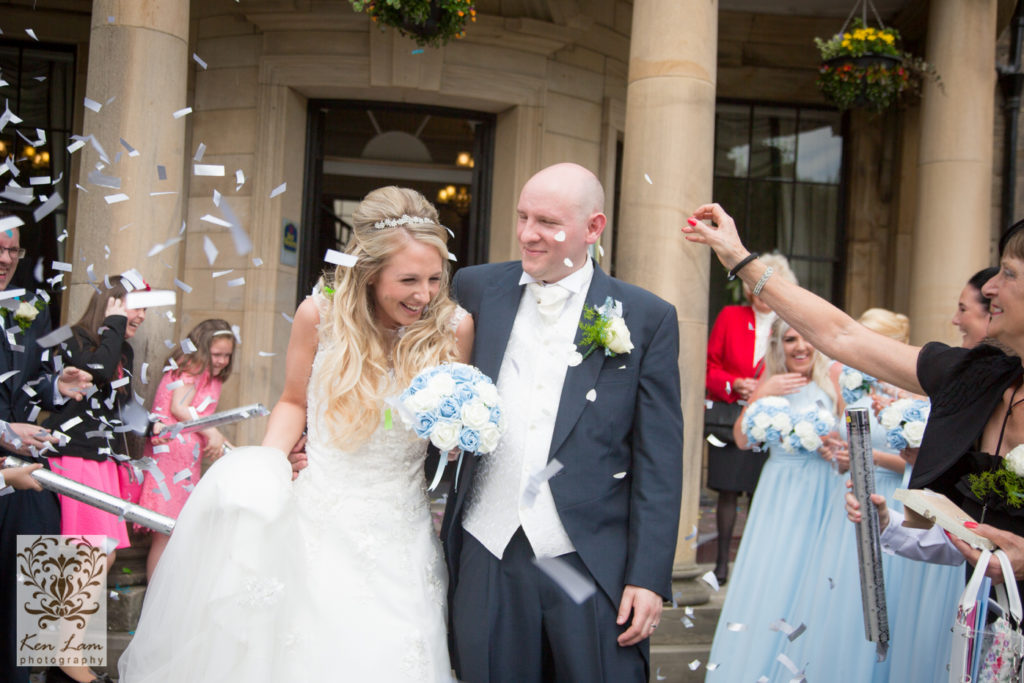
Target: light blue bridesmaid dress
(770,570)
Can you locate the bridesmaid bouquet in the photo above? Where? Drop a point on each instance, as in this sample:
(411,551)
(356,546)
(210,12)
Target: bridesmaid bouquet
(854,384)
(767,422)
(808,429)
(904,421)
(455,406)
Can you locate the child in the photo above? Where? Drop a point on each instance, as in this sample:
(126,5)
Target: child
(190,389)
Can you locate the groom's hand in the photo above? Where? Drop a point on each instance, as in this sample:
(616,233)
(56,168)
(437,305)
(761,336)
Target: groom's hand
(646,608)
(298,457)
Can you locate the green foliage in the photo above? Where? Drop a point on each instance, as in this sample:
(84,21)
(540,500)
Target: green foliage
(595,329)
(1001,484)
(428,22)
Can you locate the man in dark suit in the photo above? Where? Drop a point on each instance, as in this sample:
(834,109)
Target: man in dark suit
(613,421)
(24,511)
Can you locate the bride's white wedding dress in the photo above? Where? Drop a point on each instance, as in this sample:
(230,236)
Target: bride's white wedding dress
(337,576)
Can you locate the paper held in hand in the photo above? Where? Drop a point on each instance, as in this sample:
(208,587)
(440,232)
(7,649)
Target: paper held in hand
(923,508)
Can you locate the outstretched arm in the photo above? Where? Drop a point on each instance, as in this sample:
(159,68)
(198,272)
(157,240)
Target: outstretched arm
(288,418)
(829,329)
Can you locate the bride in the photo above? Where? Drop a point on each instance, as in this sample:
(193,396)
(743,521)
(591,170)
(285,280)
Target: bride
(337,575)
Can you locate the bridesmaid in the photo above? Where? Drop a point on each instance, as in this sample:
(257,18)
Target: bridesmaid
(770,568)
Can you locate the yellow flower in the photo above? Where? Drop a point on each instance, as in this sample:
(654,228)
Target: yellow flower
(845,43)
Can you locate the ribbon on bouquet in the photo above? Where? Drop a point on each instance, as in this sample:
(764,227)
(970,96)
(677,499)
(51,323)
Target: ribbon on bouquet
(869,545)
(102,500)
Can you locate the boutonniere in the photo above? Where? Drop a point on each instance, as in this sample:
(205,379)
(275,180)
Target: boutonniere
(26,313)
(605,327)
(1005,483)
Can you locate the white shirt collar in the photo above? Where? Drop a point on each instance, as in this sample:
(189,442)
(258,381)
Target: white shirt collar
(575,282)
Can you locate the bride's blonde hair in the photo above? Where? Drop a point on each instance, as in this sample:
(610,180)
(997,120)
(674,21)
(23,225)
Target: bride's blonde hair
(358,354)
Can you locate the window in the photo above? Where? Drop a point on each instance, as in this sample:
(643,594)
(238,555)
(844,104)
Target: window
(778,172)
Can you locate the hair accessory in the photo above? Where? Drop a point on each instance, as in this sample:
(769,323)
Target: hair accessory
(742,264)
(404,219)
(760,283)
(223,333)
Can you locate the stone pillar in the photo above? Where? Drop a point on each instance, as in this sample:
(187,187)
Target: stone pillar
(952,233)
(667,172)
(138,72)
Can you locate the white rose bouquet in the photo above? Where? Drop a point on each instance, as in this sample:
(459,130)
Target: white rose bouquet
(767,422)
(854,384)
(1006,482)
(605,327)
(904,421)
(808,429)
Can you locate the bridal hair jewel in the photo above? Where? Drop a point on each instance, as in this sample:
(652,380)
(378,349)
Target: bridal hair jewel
(404,219)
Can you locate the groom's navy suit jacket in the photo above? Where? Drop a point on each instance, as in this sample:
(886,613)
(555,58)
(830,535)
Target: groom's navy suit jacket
(624,529)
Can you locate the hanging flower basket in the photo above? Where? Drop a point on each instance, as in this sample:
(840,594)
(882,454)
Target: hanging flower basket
(428,22)
(864,68)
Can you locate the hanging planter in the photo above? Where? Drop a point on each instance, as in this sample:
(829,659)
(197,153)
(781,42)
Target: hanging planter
(428,22)
(864,68)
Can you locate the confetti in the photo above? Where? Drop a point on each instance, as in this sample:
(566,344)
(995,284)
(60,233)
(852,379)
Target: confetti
(92,105)
(174,385)
(209,249)
(61,265)
(257,261)
(278,190)
(10,222)
(182,112)
(73,422)
(96,177)
(266,354)
(221,273)
(694,665)
(287,317)
(144,373)
(560,236)
(161,172)
(693,534)
(592,395)
(619,475)
(132,152)
(237,282)
(181,476)
(658,675)
(568,263)
(687,622)
(59,335)
(11,293)
(711,666)
(732,626)
(197,60)
(7,375)
(157,297)
(182,286)
(187,346)
(710,579)
(115,198)
(715,441)
(539,479)
(790,632)
(576,586)
(32,34)
(417,51)
(200,151)
(452,257)
(788,663)
(208,169)
(239,179)
(209,218)
(648,179)
(340,259)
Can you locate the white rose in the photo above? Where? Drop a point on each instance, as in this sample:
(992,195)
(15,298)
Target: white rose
(891,417)
(757,433)
(782,422)
(423,400)
(1015,461)
(489,437)
(810,443)
(762,421)
(475,415)
(902,404)
(914,431)
(618,336)
(441,384)
(851,379)
(805,430)
(445,435)
(26,311)
(488,393)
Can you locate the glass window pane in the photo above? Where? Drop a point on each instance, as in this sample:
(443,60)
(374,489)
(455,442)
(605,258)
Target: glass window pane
(816,217)
(774,143)
(819,147)
(9,72)
(731,193)
(34,107)
(814,275)
(770,217)
(732,141)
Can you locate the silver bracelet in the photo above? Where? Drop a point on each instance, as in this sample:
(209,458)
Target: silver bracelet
(760,283)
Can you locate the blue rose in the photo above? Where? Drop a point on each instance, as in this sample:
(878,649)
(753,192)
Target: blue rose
(496,415)
(464,391)
(851,395)
(772,435)
(469,440)
(449,408)
(913,413)
(463,373)
(418,382)
(894,437)
(423,423)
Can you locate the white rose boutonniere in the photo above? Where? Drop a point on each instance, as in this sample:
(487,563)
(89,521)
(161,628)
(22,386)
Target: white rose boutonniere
(26,314)
(1015,461)
(606,328)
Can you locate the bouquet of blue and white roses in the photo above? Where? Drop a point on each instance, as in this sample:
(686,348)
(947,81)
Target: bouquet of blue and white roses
(767,421)
(455,406)
(808,429)
(855,384)
(904,421)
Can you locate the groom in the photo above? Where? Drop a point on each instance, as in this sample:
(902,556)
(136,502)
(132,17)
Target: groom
(612,421)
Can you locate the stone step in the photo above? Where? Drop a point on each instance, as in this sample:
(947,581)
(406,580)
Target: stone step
(117,643)
(124,606)
(671,663)
(674,628)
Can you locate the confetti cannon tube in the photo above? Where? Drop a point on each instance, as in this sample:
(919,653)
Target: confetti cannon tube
(869,546)
(97,499)
(218,419)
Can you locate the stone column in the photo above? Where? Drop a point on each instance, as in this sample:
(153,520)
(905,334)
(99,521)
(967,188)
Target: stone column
(667,172)
(138,72)
(952,232)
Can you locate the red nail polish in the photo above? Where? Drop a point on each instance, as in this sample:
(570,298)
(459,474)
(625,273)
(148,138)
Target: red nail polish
(691,221)
(970,525)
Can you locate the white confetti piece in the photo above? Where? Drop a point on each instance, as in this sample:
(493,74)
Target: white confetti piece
(32,34)
(175,384)
(648,179)
(47,207)
(576,586)
(694,665)
(339,258)
(710,579)
(693,533)
(592,395)
(92,105)
(732,626)
(788,663)
(221,273)
(10,223)
(68,424)
(537,480)
(452,257)
(266,354)
(209,249)
(144,373)
(237,282)
(560,236)
(287,317)
(790,632)
(181,476)
(59,335)
(658,676)
(75,146)
(687,622)
(237,331)
(208,169)
(61,265)
(239,179)
(162,448)
(280,189)
(197,60)
(257,262)
(7,375)
(132,152)
(115,198)
(715,441)
(575,358)
(619,475)
(39,180)
(182,112)
(568,263)
(711,666)
(11,293)
(182,286)
(153,299)
(200,151)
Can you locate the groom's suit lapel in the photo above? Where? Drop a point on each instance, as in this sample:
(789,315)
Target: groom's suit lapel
(494,324)
(580,379)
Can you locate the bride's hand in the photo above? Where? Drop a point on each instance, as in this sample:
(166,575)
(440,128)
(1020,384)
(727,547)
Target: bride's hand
(723,239)
(297,457)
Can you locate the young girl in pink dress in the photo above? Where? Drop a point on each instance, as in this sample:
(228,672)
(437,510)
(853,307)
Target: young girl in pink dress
(189,389)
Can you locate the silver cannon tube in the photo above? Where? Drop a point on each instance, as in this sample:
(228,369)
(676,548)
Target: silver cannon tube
(218,419)
(97,499)
(869,546)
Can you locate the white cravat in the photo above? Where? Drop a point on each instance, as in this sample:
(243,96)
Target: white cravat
(530,384)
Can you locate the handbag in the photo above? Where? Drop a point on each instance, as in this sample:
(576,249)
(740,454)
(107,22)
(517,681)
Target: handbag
(719,417)
(988,646)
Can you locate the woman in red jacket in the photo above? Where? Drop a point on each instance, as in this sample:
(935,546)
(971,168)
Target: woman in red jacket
(735,351)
